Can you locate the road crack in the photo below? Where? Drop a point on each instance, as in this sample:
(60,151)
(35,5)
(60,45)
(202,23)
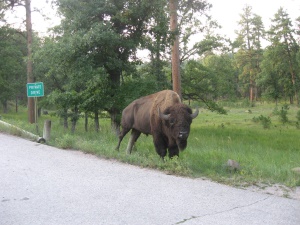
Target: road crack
(223,211)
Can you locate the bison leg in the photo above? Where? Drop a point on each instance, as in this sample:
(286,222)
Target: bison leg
(121,136)
(173,151)
(160,145)
(133,138)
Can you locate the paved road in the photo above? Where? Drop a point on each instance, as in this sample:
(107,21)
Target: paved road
(42,185)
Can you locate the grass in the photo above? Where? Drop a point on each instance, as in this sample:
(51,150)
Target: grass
(265,155)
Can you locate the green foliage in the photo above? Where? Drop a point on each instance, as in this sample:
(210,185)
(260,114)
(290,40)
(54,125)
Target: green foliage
(135,88)
(224,73)
(265,121)
(282,114)
(12,65)
(66,141)
(270,78)
(199,83)
(249,54)
(156,71)
(175,166)
(298,116)
(214,107)
(194,21)
(282,61)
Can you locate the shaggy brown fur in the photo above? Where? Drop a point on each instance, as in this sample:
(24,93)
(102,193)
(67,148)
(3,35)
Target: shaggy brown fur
(142,116)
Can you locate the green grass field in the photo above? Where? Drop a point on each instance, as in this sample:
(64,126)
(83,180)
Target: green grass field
(265,155)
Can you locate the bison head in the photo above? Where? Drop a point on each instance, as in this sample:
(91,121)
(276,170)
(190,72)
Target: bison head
(177,119)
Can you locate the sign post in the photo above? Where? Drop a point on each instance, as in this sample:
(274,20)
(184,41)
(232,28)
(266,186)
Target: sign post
(35,90)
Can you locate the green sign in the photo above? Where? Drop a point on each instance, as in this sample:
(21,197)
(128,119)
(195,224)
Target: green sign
(35,89)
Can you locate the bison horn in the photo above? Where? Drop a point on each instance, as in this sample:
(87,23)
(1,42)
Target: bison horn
(163,116)
(195,114)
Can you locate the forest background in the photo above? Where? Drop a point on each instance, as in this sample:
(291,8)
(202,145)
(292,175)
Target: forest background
(89,62)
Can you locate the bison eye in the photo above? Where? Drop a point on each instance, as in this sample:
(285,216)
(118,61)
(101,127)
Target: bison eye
(172,121)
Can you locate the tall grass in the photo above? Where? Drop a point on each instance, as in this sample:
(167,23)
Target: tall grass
(265,155)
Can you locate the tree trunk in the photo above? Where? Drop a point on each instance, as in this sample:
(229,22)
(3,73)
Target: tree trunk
(252,96)
(115,123)
(115,76)
(5,107)
(16,104)
(294,85)
(176,79)
(74,119)
(73,127)
(97,126)
(251,91)
(291,100)
(65,117)
(31,111)
(39,112)
(86,121)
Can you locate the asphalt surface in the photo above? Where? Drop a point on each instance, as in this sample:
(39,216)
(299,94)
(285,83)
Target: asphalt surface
(44,185)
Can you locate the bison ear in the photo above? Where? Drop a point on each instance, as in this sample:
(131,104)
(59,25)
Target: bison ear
(163,116)
(195,114)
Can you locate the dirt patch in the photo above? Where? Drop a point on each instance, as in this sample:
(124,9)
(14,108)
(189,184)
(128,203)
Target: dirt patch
(276,189)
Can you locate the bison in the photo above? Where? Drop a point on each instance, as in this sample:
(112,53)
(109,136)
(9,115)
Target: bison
(164,117)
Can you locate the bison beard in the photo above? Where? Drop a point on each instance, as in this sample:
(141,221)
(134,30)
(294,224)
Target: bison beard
(164,117)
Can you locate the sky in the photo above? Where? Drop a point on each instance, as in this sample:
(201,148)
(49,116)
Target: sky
(225,12)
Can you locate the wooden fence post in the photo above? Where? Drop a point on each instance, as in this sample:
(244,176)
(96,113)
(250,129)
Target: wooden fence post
(47,130)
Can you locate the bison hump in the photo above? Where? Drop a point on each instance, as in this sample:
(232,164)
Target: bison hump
(163,100)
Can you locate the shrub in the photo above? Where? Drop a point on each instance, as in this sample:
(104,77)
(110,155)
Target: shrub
(282,113)
(298,116)
(265,121)
(298,119)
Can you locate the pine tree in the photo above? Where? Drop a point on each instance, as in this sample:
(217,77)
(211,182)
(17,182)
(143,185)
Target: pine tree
(250,53)
(281,36)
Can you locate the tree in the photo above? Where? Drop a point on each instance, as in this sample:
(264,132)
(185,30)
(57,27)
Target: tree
(271,78)
(30,78)
(196,29)
(106,34)
(2,10)
(249,55)
(94,96)
(76,86)
(52,67)
(225,75)
(10,4)
(12,66)
(298,28)
(175,48)
(281,36)
(188,25)
(199,83)
(157,41)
